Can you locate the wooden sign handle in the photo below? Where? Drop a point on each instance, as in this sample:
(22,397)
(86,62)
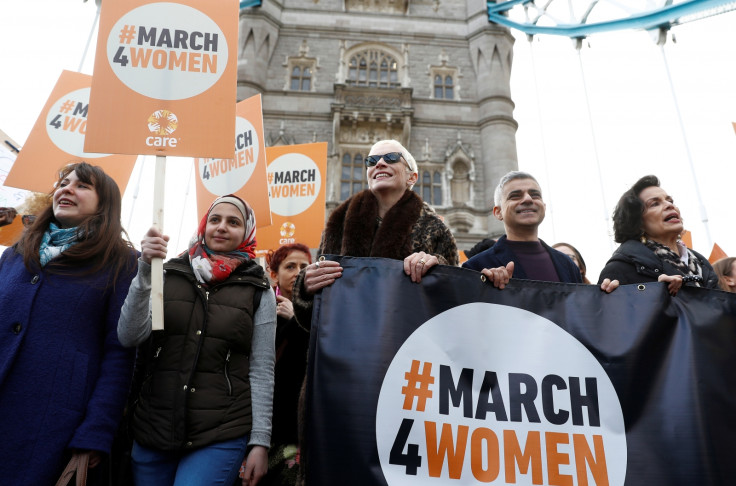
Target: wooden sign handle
(157,264)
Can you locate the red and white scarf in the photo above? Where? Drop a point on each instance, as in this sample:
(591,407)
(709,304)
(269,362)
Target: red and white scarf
(211,267)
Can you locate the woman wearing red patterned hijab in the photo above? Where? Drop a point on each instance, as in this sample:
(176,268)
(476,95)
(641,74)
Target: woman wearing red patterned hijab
(226,237)
(212,365)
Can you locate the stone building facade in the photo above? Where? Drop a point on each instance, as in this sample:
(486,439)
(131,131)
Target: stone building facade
(433,74)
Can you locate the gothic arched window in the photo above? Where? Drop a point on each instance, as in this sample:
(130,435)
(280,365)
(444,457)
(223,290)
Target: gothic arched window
(429,186)
(301,79)
(443,87)
(352,179)
(373,68)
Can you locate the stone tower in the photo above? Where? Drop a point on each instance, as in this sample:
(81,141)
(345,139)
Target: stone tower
(433,74)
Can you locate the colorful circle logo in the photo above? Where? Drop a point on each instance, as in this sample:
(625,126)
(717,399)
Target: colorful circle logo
(287,229)
(162,122)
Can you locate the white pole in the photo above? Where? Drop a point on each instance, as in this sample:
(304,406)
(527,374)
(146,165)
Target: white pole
(548,196)
(136,189)
(184,204)
(157,264)
(89,39)
(693,174)
(606,217)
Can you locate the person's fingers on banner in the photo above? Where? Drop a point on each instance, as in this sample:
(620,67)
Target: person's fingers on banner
(321,274)
(417,264)
(499,276)
(609,285)
(674,283)
(153,245)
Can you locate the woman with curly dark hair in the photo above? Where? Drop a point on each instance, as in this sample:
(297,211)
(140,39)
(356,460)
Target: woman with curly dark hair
(648,225)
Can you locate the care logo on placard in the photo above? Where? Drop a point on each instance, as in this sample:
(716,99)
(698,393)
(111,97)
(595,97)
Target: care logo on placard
(294,181)
(287,231)
(485,393)
(227,176)
(162,123)
(167,51)
(66,123)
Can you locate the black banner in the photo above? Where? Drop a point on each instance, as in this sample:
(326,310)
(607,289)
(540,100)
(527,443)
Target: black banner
(453,381)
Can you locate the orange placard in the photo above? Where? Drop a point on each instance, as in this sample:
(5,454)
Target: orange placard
(296,185)
(12,232)
(687,238)
(165,78)
(243,175)
(57,139)
(716,254)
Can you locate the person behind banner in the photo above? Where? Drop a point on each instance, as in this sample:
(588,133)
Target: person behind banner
(208,390)
(482,245)
(64,376)
(575,256)
(648,225)
(520,252)
(725,268)
(387,220)
(292,343)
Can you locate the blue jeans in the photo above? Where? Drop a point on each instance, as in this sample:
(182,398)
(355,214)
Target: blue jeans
(216,463)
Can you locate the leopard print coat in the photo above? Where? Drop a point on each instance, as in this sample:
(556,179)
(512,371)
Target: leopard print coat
(354,229)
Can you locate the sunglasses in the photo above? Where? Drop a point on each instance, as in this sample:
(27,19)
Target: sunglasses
(389,158)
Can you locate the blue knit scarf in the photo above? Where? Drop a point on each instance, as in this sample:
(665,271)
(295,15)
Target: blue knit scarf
(55,241)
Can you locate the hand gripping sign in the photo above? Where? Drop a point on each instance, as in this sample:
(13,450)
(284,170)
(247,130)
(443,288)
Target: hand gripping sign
(58,138)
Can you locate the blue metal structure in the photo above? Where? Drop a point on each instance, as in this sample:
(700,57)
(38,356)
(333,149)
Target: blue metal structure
(250,3)
(654,18)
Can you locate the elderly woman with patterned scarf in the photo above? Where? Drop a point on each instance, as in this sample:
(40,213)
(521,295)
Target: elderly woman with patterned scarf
(207,395)
(648,225)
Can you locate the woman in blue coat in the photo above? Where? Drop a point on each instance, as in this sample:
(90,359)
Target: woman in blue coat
(64,376)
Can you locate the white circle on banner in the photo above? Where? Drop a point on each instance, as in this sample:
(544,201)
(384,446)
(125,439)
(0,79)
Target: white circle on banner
(167,51)
(227,176)
(520,373)
(294,182)
(66,123)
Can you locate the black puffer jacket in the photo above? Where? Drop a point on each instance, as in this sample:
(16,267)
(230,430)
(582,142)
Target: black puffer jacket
(633,262)
(197,389)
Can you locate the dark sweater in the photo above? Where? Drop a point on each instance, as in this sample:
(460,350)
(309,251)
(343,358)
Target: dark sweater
(501,254)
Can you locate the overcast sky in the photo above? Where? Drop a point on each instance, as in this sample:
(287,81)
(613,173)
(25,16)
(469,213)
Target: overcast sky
(634,121)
